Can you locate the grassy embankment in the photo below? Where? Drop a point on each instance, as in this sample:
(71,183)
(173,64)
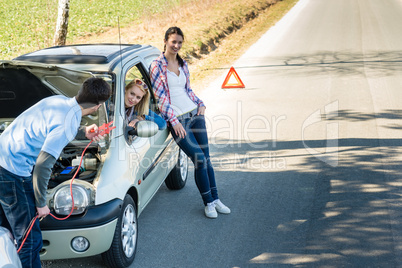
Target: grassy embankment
(216,31)
(30,24)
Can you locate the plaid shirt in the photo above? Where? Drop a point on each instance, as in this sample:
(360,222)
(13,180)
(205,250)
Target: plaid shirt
(158,74)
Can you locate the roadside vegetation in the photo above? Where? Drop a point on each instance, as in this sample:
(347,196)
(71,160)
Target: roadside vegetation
(216,31)
(30,24)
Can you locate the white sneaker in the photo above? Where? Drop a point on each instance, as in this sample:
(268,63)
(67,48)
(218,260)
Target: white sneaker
(220,207)
(210,211)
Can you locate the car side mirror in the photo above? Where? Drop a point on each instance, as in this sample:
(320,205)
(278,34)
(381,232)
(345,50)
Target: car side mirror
(143,129)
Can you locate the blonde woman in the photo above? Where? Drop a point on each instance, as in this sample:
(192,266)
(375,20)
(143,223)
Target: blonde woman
(136,103)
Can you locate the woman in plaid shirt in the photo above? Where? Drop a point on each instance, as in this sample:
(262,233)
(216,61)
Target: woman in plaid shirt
(184,112)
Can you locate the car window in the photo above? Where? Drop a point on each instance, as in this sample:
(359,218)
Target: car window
(133,73)
(138,71)
(105,113)
(109,104)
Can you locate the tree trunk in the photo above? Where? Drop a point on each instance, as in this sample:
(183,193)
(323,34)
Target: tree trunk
(62,23)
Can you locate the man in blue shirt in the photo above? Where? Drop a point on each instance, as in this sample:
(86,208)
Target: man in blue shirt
(36,138)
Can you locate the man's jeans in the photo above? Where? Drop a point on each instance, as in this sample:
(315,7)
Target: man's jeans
(17,209)
(195,145)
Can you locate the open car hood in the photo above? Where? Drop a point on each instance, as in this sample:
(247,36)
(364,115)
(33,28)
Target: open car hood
(22,84)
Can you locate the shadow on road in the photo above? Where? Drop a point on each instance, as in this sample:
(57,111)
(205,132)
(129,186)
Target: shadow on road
(312,214)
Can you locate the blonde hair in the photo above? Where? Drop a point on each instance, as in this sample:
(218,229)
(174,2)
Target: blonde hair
(142,107)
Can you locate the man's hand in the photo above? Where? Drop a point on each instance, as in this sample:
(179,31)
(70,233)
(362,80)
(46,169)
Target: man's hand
(92,133)
(43,212)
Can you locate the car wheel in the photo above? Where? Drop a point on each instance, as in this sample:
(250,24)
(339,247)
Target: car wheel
(177,178)
(124,245)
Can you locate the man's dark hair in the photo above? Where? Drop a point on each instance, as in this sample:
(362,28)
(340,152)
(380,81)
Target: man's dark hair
(93,91)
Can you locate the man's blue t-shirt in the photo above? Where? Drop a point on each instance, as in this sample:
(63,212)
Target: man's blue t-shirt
(47,126)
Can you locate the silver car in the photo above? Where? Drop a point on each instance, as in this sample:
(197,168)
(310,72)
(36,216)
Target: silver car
(119,175)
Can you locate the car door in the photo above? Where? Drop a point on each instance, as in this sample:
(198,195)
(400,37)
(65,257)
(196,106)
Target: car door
(147,155)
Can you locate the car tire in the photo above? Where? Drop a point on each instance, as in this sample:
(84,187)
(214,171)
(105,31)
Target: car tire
(177,178)
(124,245)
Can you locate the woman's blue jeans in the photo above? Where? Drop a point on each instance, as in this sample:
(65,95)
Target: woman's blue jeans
(17,209)
(195,145)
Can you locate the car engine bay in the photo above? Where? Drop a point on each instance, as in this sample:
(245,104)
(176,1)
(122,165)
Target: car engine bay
(69,162)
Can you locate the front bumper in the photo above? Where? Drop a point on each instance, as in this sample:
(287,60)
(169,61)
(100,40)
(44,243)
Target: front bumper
(98,225)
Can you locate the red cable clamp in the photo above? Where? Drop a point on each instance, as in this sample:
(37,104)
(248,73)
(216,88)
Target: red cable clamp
(105,128)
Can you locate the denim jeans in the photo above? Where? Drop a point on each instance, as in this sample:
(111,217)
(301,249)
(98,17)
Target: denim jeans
(17,209)
(195,145)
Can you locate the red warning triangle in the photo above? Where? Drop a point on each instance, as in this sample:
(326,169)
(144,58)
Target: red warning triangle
(228,83)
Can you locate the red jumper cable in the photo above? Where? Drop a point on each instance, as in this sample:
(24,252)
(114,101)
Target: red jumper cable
(104,129)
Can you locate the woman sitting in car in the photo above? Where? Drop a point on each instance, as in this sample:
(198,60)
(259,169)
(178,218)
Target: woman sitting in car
(136,103)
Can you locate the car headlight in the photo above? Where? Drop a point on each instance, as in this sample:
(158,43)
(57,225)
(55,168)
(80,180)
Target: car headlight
(63,202)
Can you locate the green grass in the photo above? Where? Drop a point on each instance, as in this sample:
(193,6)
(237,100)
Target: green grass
(28,25)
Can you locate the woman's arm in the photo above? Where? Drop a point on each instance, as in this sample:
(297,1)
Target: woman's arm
(157,119)
(161,92)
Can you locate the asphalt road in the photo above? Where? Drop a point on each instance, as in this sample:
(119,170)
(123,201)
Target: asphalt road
(307,155)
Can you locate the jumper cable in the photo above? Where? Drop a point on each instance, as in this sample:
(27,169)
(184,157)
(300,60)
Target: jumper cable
(104,129)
